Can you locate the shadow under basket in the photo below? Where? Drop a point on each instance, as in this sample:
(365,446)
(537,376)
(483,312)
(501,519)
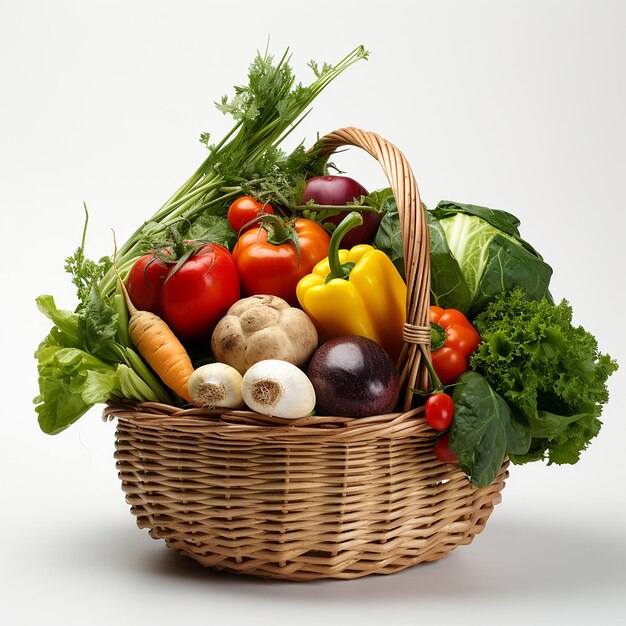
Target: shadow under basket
(317,497)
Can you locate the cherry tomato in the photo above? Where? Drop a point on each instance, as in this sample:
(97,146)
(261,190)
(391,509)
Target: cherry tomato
(443,452)
(337,191)
(243,210)
(267,268)
(449,364)
(439,410)
(145,282)
(198,294)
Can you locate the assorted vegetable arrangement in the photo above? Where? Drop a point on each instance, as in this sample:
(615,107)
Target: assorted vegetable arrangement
(265,283)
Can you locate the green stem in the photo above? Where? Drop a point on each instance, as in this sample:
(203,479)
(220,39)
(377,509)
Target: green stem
(350,221)
(278,231)
(437,386)
(331,207)
(122,317)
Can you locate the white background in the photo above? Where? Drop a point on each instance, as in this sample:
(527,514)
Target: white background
(519,106)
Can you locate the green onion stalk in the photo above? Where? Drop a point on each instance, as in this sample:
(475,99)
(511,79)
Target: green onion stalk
(266,111)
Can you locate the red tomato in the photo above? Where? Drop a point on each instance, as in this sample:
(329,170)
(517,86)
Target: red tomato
(199,293)
(443,452)
(449,364)
(439,410)
(267,268)
(243,210)
(145,282)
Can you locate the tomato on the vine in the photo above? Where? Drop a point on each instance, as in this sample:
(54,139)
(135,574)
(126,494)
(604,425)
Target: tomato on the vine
(245,209)
(275,268)
(199,293)
(145,282)
(191,299)
(439,410)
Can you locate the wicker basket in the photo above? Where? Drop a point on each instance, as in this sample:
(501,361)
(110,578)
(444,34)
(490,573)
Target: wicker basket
(318,497)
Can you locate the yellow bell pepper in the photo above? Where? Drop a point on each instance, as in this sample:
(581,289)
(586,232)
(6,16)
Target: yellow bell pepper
(356,292)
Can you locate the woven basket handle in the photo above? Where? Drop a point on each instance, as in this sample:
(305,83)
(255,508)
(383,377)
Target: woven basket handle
(416,248)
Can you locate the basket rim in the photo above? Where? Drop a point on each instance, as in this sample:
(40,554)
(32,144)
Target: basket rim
(248,424)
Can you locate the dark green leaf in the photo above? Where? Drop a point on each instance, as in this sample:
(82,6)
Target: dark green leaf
(480,429)
(517,434)
(509,266)
(388,237)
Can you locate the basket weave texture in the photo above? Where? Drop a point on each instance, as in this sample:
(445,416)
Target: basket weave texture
(318,497)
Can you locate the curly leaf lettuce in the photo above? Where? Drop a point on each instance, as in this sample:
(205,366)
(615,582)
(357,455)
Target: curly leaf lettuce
(550,372)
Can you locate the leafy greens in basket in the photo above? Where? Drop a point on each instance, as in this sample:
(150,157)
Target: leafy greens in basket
(490,254)
(88,358)
(539,383)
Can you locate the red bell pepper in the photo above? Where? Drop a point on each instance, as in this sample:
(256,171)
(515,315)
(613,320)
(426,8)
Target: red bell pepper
(455,339)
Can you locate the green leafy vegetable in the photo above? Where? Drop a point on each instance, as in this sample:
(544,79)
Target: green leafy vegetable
(85,272)
(483,429)
(87,358)
(491,256)
(550,372)
(388,237)
(266,110)
(448,287)
(78,364)
(213,228)
(70,379)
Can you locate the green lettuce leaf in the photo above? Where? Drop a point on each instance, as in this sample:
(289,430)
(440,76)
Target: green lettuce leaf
(549,371)
(71,381)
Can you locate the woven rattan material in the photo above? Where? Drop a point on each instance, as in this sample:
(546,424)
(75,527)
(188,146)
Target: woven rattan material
(318,497)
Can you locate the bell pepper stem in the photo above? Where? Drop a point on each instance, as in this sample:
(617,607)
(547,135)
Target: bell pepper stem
(350,221)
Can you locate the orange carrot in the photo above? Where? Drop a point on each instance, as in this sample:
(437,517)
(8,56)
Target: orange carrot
(160,347)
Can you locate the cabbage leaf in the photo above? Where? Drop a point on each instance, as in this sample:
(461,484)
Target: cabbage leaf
(492,257)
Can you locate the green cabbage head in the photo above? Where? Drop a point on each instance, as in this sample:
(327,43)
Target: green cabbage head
(477,253)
